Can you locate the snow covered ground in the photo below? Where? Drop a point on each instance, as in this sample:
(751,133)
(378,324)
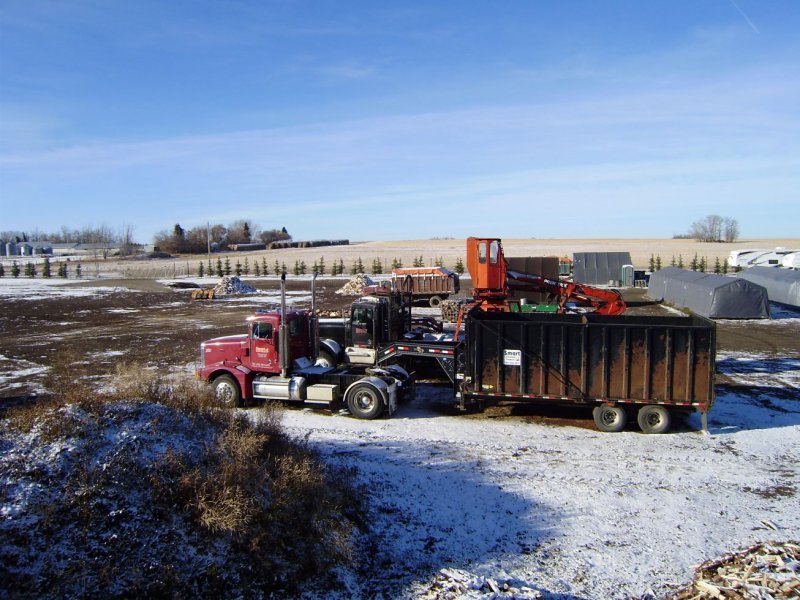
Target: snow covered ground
(563,511)
(566,511)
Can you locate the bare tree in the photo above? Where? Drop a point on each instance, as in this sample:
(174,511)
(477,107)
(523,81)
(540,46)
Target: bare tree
(219,234)
(127,245)
(197,240)
(240,232)
(731,230)
(709,229)
(273,235)
(105,238)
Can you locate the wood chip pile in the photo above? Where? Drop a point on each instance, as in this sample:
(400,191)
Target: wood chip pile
(233,285)
(355,285)
(765,571)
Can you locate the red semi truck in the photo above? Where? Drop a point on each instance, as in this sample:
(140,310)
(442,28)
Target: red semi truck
(278,358)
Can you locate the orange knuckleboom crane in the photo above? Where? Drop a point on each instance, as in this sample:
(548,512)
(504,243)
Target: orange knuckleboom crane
(492,284)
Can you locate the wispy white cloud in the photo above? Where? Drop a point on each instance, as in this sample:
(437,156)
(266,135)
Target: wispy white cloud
(608,154)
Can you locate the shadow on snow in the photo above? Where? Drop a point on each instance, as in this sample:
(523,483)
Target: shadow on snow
(431,508)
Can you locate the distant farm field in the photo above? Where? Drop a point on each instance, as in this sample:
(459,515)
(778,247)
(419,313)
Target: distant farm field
(448,250)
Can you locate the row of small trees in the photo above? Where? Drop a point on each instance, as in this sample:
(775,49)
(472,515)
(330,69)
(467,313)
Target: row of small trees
(29,270)
(695,264)
(261,267)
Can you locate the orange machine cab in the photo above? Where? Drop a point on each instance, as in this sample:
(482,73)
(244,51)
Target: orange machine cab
(486,265)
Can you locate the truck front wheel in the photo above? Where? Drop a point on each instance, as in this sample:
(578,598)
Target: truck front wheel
(227,391)
(364,401)
(653,418)
(610,418)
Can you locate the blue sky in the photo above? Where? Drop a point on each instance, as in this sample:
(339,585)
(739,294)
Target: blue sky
(397,120)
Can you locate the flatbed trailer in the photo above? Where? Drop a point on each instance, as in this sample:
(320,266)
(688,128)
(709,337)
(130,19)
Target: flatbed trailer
(445,353)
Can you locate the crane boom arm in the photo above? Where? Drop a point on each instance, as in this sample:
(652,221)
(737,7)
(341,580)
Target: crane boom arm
(605,302)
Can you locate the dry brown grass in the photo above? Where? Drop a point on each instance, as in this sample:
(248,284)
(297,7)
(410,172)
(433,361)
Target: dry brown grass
(137,382)
(66,387)
(280,514)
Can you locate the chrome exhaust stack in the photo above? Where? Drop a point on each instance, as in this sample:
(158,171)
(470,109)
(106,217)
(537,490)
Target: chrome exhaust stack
(314,320)
(283,332)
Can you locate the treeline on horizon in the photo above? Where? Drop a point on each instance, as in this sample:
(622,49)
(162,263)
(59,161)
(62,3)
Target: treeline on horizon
(176,240)
(198,239)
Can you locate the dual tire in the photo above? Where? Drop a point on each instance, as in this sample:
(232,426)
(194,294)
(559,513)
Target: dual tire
(364,401)
(652,418)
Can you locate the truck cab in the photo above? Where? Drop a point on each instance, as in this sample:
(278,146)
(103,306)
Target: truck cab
(259,348)
(263,329)
(372,321)
(380,330)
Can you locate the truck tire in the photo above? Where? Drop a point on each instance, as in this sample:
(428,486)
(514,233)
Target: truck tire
(610,418)
(654,418)
(227,392)
(434,301)
(364,401)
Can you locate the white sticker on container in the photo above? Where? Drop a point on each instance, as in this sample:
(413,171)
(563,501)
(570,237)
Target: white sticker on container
(512,358)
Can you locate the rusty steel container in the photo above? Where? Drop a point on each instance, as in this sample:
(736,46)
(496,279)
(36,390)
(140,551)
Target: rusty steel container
(590,359)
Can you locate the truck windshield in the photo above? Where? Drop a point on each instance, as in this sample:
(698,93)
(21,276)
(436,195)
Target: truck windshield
(362,321)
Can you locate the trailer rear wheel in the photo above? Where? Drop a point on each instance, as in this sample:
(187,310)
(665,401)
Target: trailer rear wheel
(434,301)
(610,418)
(227,391)
(364,401)
(653,418)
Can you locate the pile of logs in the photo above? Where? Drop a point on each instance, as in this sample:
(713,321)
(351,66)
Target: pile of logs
(770,570)
(355,285)
(233,285)
(450,309)
(452,584)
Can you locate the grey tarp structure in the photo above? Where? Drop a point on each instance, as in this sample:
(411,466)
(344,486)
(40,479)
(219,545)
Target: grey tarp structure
(709,295)
(599,267)
(783,285)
